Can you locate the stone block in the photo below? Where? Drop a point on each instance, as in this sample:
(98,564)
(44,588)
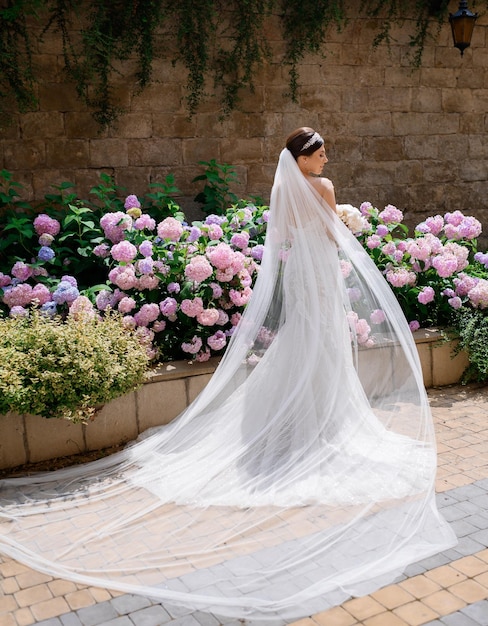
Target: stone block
(426,99)
(24,155)
(421,147)
(160,402)
(44,179)
(447,370)
(383,148)
(168,124)
(65,438)
(196,384)
(114,424)
(132,125)
(67,153)
(85,179)
(146,152)
(402,77)
(81,125)
(425,356)
(195,150)
(438,77)
(457,100)
(133,179)
(377,124)
(159,97)
(42,125)
(59,97)
(241,150)
(12,446)
(108,153)
(389,98)
(474,170)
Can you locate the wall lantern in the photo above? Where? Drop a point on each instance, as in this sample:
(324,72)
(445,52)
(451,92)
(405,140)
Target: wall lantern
(462,25)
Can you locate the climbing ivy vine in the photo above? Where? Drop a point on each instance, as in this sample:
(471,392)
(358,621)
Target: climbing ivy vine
(221,43)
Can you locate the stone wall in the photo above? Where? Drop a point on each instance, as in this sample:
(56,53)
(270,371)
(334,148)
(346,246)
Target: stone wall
(395,134)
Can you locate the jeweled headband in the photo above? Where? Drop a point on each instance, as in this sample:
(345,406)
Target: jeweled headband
(315,138)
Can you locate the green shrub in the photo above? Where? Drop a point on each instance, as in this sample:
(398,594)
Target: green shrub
(471,326)
(66,369)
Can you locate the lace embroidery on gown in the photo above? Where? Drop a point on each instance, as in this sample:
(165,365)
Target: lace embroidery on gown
(303,473)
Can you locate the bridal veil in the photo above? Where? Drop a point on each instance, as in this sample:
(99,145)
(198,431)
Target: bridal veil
(304,472)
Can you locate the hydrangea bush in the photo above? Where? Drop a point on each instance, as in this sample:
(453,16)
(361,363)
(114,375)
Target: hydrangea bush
(182,287)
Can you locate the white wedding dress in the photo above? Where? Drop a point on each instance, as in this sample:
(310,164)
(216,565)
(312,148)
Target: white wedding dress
(303,473)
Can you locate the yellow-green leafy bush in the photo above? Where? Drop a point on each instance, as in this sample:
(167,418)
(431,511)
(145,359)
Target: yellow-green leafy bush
(57,368)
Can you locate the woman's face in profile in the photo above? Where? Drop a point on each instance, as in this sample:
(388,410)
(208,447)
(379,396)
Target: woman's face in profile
(314,163)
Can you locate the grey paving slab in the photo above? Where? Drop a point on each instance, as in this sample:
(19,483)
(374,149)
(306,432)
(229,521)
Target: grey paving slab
(71,619)
(128,603)
(97,614)
(151,616)
(477,612)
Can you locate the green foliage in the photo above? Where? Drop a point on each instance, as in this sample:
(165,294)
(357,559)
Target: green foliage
(224,42)
(216,195)
(471,326)
(66,369)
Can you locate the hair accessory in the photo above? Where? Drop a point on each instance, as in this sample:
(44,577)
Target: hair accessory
(315,138)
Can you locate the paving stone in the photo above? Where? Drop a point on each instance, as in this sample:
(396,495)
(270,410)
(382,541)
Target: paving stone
(128,603)
(462,528)
(54,621)
(70,619)
(459,619)
(477,612)
(97,614)
(467,546)
(123,620)
(453,512)
(151,616)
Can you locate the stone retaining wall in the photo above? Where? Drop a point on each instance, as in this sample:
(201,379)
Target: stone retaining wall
(172,387)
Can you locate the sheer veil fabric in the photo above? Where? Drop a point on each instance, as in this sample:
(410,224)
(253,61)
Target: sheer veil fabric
(303,474)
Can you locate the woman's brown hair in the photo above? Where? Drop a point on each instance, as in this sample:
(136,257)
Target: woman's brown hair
(299,137)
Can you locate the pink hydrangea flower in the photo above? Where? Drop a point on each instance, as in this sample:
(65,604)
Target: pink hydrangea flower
(377,316)
(400,277)
(240,298)
(102,250)
(203,355)
(115,224)
(192,307)
(257,252)
(193,346)
(173,288)
(208,317)
(463,284)
(170,228)
(198,269)
(168,306)
(5,280)
(147,313)
(124,251)
(455,302)
(454,218)
(45,224)
(18,311)
(144,222)
(145,266)
(240,240)
(460,252)
(126,305)
(215,232)
(20,295)
(146,248)
(224,276)
(123,276)
(373,241)
(81,306)
(22,271)
(435,224)
(391,214)
(217,341)
(220,256)
(235,318)
(148,281)
(159,326)
(223,318)
(426,295)
(389,248)
(478,295)
(41,293)
(132,201)
(382,230)
(445,264)
(217,290)
(414,325)
(346,268)
(129,322)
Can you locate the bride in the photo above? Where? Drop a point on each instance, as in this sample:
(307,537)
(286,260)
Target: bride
(302,475)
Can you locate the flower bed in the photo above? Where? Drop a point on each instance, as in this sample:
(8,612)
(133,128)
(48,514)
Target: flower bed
(170,389)
(181,287)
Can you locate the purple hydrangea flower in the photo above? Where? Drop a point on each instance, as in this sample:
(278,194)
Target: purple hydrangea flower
(46,253)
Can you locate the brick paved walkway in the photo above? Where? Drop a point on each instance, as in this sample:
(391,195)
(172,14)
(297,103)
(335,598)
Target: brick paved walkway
(449,589)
